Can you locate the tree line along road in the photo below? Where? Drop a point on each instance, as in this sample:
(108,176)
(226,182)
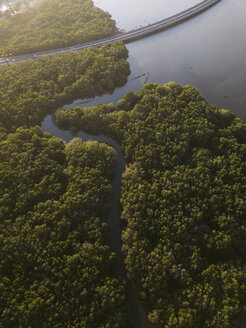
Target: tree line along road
(125,36)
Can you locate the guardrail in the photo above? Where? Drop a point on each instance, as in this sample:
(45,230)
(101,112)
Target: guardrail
(125,37)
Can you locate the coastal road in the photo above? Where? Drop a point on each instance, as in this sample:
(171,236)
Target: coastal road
(125,37)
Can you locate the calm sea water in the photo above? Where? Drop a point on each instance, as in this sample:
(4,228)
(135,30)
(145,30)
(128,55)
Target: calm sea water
(130,14)
(208,51)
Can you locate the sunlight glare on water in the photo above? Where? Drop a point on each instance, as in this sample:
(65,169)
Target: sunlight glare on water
(4,7)
(131,14)
(207,51)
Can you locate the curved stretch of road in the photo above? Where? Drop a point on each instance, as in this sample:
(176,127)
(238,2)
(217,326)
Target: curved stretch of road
(125,37)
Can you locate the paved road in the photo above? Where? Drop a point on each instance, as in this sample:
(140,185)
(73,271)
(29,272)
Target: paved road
(125,37)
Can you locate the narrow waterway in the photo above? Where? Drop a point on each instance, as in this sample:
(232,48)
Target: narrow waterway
(207,52)
(48,125)
(114,218)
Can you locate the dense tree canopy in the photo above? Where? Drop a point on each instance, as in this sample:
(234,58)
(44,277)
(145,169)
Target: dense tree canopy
(33,26)
(56,269)
(183,200)
(183,192)
(31,89)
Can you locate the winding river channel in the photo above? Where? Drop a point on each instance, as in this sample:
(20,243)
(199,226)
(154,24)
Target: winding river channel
(114,220)
(207,52)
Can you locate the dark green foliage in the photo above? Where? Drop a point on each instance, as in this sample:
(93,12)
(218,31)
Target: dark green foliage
(56,269)
(52,24)
(183,199)
(55,264)
(90,119)
(30,90)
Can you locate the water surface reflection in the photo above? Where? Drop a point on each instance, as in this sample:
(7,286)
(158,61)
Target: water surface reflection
(207,52)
